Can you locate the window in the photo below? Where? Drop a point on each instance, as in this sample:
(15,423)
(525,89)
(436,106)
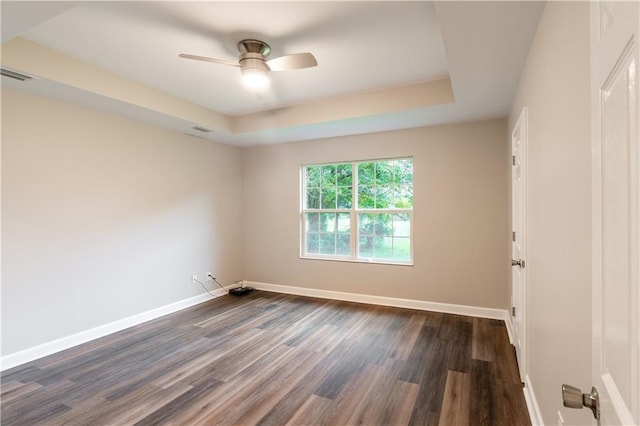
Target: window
(360,211)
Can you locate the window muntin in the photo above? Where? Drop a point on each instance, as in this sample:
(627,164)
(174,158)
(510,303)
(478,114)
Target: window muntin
(359,211)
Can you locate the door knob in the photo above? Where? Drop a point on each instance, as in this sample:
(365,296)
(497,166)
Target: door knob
(518,262)
(573,397)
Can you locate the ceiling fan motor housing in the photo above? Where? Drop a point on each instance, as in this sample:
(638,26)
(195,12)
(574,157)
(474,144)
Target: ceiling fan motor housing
(254,46)
(253,61)
(253,54)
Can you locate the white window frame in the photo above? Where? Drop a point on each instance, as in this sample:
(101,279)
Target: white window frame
(354,214)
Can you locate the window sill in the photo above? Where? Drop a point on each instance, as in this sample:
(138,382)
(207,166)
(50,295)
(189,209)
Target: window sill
(370,261)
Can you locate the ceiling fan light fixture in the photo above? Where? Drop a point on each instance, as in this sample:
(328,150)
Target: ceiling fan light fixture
(255,78)
(255,65)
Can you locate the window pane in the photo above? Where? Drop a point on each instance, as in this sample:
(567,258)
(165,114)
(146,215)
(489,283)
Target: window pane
(343,244)
(327,244)
(312,176)
(313,222)
(367,240)
(365,224)
(344,197)
(384,172)
(383,226)
(313,242)
(402,249)
(384,248)
(403,197)
(344,223)
(366,173)
(328,200)
(327,222)
(328,175)
(365,246)
(384,197)
(403,171)
(344,174)
(366,197)
(313,198)
(401,225)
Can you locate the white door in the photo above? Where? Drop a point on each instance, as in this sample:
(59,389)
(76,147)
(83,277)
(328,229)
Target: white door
(518,238)
(615,31)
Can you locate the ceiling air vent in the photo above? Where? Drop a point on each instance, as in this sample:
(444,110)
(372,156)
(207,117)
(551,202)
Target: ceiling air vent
(15,75)
(202,129)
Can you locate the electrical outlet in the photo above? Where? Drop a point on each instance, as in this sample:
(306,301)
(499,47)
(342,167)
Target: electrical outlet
(194,279)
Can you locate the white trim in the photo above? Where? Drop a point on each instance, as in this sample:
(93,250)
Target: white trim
(36,352)
(532,403)
(354,260)
(617,400)
(473,311)
(508,323)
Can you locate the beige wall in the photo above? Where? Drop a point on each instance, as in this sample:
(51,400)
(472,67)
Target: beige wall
(104,218)
(460,215)
(555,88)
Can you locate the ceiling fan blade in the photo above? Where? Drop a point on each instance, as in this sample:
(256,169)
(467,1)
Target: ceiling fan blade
(292,62)
(207,59)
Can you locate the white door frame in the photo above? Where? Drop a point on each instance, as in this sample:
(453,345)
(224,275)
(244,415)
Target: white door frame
(519,289)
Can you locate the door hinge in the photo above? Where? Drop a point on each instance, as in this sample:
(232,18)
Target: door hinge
(513,311)
(513,236)
(513,160)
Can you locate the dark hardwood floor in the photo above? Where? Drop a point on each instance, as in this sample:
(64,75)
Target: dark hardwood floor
(277,359)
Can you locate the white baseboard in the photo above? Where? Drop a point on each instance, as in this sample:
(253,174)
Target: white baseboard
(508,323)
(532,403)
(473,311)
(36,352)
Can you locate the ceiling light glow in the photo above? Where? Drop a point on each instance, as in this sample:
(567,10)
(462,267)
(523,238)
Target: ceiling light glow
(255,79)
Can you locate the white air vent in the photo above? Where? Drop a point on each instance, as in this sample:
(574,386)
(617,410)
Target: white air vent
(15,75)
(202,129)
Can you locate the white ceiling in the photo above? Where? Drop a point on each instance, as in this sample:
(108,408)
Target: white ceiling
(381,65)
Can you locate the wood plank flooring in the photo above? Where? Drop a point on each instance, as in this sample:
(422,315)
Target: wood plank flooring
(275,359)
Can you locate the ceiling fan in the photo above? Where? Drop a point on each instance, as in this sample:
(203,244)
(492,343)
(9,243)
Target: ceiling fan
(254,63)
